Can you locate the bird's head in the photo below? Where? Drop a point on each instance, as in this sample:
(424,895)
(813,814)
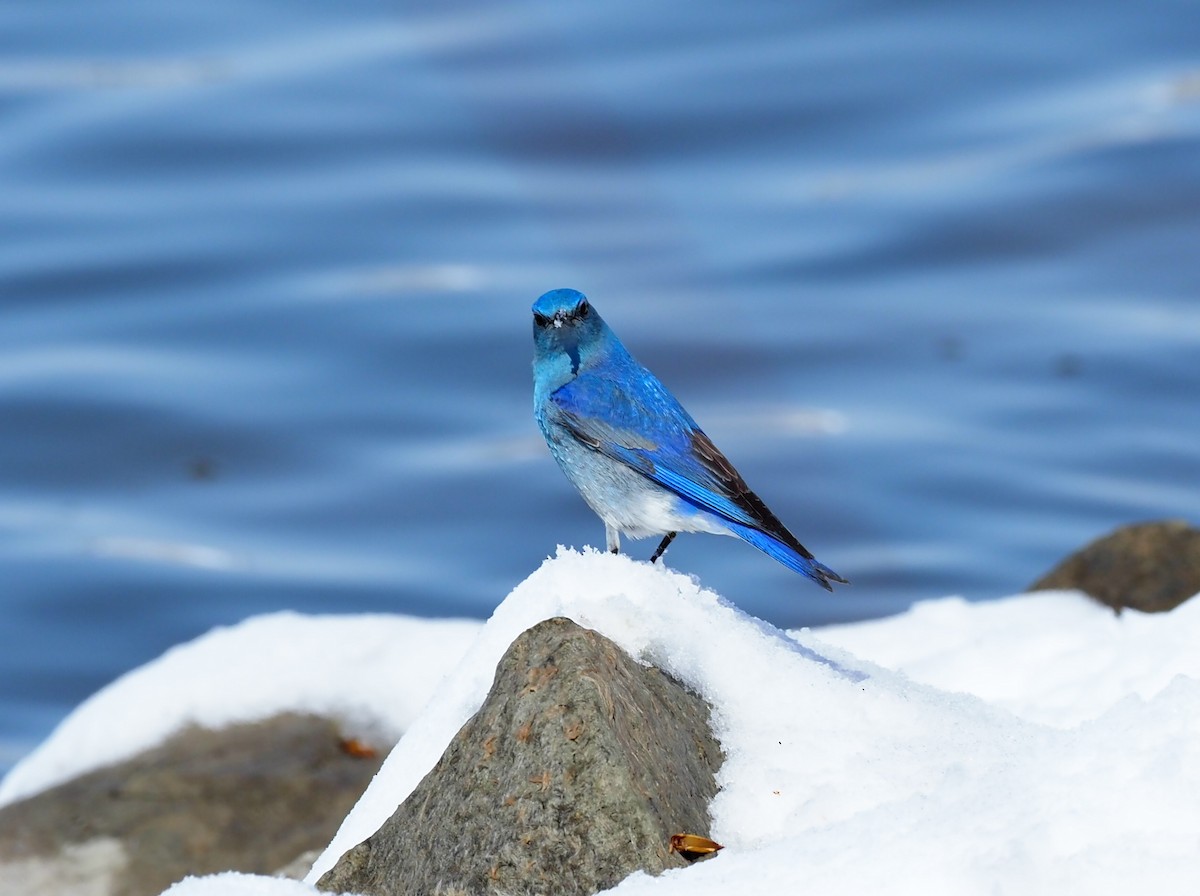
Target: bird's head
(566,330)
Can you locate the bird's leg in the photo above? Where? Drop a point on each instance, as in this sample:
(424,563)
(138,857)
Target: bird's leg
(662,546)
(613,535)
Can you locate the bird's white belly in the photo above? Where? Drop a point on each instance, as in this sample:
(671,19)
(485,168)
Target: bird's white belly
(626,500)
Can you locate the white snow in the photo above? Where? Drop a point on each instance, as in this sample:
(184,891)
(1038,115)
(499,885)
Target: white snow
(1050,657)
(1036,744)
(372,673)
(231,883)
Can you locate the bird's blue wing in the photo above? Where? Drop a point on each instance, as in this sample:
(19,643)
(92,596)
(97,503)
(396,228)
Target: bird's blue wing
(632,418)
(629,416)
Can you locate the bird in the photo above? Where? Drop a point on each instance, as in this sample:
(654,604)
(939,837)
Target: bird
(636,456)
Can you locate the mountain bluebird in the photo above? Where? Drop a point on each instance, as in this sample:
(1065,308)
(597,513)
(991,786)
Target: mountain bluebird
(637,457)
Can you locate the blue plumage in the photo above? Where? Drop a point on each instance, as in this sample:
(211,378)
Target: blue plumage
(637,457)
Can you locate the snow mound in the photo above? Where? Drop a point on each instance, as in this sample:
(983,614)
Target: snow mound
(1053,657)
(1036,744)
(372,673)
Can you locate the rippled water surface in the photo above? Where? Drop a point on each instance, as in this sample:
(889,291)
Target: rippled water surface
(926,272)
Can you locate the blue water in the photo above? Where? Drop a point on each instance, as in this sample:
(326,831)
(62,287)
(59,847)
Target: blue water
(926,272)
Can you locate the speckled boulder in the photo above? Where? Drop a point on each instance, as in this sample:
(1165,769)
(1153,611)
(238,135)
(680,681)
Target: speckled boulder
(1152,567)
(245,798)
(575,772)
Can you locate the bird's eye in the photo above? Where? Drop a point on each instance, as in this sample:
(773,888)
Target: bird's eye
(583,309)
(540,319)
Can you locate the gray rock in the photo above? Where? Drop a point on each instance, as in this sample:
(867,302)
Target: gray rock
(1152,567)
(246,798)
(575,772)
(298,868)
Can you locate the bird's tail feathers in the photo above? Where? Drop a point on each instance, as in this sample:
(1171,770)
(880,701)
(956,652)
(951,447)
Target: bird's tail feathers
(799,561)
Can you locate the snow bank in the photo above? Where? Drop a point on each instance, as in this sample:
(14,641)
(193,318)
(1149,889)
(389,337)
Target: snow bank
(1052,657)
(231,883)
(1033,745)
(373,673)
